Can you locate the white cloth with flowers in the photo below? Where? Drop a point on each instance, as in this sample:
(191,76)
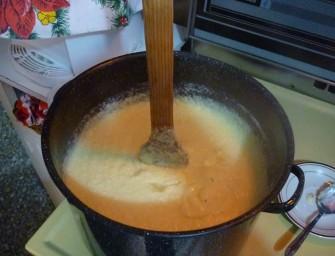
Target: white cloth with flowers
(34,19)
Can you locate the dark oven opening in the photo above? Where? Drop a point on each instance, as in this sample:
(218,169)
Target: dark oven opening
(299,30)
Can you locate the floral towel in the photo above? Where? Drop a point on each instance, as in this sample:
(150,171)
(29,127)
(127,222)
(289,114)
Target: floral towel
(32,19)
(30,111)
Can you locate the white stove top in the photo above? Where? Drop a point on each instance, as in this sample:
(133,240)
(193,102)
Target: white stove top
(313,123)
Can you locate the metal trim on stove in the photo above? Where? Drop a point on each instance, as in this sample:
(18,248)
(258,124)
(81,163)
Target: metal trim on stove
(311,49)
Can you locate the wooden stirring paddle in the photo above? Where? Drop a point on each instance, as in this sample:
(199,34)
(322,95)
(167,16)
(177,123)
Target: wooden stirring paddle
(162,147)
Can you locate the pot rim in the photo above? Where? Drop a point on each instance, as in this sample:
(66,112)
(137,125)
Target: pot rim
(180,234)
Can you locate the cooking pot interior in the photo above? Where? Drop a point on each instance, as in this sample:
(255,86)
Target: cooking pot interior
(214,79)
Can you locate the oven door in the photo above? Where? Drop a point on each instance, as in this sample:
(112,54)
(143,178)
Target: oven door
(298,34)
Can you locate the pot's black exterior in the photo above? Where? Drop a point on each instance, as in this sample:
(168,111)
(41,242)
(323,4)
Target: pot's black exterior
(225,84)
(221,242)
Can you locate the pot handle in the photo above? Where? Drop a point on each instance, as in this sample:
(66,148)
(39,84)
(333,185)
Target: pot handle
(290,203)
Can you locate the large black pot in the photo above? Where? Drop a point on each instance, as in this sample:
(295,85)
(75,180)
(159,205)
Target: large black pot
(225,84)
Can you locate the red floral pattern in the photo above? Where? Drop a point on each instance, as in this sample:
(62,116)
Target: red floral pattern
(20,14)
(50,5)
(30,111)
(123,20)
(21,7)
(3,22)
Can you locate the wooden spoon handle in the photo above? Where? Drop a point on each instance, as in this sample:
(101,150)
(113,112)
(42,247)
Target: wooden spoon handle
(158,21)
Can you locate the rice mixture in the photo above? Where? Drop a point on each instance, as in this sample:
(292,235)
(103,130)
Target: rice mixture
(223,179)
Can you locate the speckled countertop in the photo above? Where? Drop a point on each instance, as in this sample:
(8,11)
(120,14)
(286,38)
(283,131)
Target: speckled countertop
(24,203)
